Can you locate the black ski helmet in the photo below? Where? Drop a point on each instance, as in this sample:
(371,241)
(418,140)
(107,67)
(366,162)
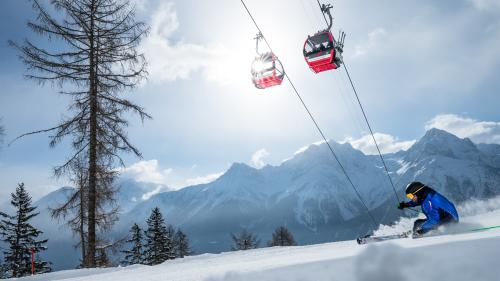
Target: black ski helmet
(414,187)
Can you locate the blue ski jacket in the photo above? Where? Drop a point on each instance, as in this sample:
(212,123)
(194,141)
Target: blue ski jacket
(435,207)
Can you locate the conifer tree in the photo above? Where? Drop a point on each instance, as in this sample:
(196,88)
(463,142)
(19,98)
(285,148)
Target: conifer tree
(158,244)
(244,241)
(282,237)
(21,237)
(96,64)
(171,239)
(136,254)
(182,244)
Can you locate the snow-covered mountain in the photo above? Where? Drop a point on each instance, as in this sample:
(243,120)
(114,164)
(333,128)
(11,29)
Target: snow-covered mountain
(457,167)
(309,193)
(311,196)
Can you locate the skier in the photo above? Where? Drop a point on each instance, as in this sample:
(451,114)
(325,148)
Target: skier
(436,207)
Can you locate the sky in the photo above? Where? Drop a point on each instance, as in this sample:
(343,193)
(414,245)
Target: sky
(416,65)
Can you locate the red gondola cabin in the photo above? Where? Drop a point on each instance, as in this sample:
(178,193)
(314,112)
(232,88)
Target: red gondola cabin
(320,52)
(267,71)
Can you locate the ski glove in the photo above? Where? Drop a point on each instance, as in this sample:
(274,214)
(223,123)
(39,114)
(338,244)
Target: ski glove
(402,205)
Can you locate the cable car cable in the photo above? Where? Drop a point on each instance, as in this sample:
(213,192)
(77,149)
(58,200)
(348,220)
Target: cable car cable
(326,21)
(371,132)
(316,124)
(366,118)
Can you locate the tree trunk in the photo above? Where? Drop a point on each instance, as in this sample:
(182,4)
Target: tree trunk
(82,222)
(92,150)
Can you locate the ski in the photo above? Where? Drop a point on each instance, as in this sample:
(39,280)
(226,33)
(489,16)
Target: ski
(372,239)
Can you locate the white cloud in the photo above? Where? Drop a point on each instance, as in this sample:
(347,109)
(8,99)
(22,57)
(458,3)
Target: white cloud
(139,4)
(304,148)
(203,179)
(373,38)
(463,127)
(146,171)
(258,157)
(171,60)
(155,191)
(485,4)
(386,143)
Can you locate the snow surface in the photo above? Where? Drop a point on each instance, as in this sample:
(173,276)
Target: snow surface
(450,256)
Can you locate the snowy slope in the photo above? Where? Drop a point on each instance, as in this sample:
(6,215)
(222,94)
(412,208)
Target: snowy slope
(466,256)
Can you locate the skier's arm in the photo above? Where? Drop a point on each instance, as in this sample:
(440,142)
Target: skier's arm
(410,204)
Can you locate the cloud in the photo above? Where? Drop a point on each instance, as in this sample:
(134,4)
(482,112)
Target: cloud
(203,179)
(485,4)
(171,60)
(373,38)
(304,148)
(258,157)
(146,171)
(139,4)
(386,143)
(477,131)
(155,191)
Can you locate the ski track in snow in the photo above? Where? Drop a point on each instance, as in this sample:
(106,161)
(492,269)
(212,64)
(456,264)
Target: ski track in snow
(457,257)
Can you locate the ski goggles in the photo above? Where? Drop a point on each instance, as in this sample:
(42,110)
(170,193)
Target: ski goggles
(412,195)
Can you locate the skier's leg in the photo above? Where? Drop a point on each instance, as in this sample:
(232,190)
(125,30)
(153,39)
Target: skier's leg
(447,219)
(417,224)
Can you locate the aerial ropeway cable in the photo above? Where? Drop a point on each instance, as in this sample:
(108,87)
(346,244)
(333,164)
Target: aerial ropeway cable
(325,9)
(260,34)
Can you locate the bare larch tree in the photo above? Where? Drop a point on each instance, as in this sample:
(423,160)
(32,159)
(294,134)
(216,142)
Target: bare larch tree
(98,63)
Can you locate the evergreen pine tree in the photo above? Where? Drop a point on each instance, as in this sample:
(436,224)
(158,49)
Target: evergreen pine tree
(2,271)
(21,237)
(282,237)
(136,254)
(181,244)
(244,241)
(158,245)
(171,240)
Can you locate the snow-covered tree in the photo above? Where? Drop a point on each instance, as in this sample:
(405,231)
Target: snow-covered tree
(171,238)
(21,237)
(158,246)
(282,237)
(2,271)
(244,241)
(136,253)
(181,243)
